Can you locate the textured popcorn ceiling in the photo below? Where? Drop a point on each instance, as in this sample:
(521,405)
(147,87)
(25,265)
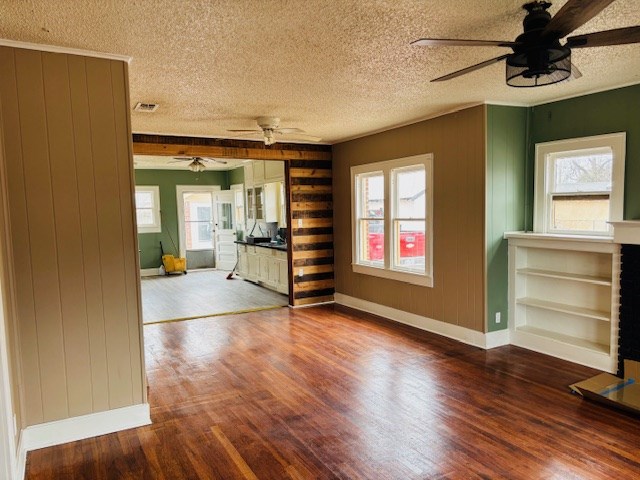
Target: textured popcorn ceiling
(337,69)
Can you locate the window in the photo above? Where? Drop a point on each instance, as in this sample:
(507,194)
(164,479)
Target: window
(579,185)
(392,219)
(148,209)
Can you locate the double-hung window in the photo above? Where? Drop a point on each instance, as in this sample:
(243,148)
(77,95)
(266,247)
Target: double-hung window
(392,205)
(579,185)
(148,209)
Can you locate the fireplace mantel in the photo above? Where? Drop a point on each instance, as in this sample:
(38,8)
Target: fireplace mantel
(626,232)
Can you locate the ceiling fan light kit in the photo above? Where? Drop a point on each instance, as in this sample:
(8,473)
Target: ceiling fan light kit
(270,130)
(538,57)
(196,166)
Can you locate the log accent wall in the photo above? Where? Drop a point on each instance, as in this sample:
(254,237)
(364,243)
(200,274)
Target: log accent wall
(308,171)
(311,213)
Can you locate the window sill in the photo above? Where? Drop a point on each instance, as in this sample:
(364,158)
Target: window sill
(149,229)
(412,278)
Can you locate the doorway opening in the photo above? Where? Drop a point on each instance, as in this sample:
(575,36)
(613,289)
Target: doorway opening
(208,217)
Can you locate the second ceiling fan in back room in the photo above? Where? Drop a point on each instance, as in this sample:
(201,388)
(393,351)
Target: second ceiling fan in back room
(538,57)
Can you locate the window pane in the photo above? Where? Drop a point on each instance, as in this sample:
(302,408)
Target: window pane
(372,242)
(144,199)
(410,245)
(144,217)
(410,191)
(371,191)
(587,173)
(585,213)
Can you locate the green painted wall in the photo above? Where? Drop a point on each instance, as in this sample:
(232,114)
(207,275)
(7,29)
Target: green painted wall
(149,243)
(606,112)
(236,176)
(505,198)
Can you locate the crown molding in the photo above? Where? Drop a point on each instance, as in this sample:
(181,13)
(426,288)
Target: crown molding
(57,49)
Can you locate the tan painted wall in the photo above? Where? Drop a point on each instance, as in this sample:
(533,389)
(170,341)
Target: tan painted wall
(457,142)
(8,306)
(74,250)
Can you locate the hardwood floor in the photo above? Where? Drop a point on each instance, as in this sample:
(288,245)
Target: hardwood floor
(202,293)
(317,393)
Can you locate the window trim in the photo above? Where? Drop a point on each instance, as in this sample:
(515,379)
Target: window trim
(385,167)
(156,227)
(544,152)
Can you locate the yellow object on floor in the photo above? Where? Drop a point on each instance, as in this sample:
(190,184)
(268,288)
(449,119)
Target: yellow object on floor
(174,264)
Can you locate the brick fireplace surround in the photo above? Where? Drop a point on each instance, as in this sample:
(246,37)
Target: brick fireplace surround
(627,234)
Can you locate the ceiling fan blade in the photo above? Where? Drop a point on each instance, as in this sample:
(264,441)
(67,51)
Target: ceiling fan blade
(470,69)
(618,36)
(302,136)
(572,15)
(451,42)
(245,131)
(287,131)
(183,158)
(575,72)
(209,159)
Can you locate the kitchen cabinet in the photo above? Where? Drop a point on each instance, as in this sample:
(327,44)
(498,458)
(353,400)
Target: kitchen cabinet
(258,172)
(271,201)
(265,266)
(273,171)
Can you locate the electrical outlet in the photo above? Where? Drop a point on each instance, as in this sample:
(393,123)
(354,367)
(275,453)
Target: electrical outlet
(300,272)
(498,319)
(299,223)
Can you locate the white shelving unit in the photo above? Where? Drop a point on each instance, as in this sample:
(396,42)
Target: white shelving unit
(563,297)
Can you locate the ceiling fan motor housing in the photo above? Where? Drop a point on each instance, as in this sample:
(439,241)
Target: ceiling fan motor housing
(537,61)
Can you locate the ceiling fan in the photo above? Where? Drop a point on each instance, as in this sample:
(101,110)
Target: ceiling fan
(270,130)
(197,164)
(538,58)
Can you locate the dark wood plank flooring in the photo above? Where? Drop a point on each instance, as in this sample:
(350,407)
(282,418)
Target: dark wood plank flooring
(324,393)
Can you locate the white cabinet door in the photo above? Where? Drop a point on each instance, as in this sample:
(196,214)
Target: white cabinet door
(283,284)
(258,172)
(253,264)
(273,170)
(248,174)
(263,273)
(271,201)
(243,267)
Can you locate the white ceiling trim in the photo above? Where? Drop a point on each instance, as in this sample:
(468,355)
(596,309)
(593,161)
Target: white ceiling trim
(56,49)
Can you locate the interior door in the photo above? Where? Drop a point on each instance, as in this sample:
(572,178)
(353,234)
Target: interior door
(198,209)
(225,230)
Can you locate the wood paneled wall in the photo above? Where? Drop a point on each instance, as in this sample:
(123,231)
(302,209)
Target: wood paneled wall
(309,205)
(457,142)
(74,250)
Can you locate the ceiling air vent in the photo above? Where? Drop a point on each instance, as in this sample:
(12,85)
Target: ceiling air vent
(145,107)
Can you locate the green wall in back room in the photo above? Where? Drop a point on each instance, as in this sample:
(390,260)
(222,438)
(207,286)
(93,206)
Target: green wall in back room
(596,114)
(236,176)
(149,243)
(504,208)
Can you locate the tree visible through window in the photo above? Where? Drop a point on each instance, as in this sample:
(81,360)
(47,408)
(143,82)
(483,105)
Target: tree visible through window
(582,182)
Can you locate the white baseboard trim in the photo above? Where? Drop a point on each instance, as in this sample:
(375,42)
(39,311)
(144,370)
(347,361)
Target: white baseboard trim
(21,461)
(150,272)
(499,338)
(85,426)
(462,334)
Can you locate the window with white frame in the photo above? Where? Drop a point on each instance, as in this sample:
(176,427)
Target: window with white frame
(579,185)
(148,209)
(392,205)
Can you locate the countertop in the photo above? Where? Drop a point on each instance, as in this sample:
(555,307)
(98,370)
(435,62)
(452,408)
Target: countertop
(275,246)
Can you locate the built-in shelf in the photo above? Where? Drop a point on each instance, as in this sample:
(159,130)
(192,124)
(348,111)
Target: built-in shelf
(592,279)
(565,308)
(563,297)
(570,340)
